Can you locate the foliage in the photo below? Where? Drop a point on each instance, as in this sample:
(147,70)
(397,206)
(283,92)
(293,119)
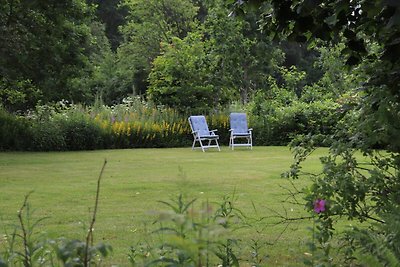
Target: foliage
(138,123)
(17,95)
(99,78)
(292,80)
(26,246)
(80,132)
(47,136)
(63,51)
(109,81)
(220,61)
(363,25)
(275,124)
(180,77)
(194,237)
(187,237)
(237,49)
(287,110)
(381,244)
(47,43)
(113,16)
(14,134)
(362,190)
(367,190)
(149,24)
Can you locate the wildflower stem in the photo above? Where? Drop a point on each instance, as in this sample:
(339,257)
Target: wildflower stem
(89,237)
(27,256)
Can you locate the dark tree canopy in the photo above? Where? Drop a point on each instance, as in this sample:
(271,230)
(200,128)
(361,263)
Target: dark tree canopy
(112,15)
(44,44)
(361,24)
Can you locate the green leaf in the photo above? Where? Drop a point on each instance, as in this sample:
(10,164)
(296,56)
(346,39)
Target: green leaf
(307,6)
(331,20)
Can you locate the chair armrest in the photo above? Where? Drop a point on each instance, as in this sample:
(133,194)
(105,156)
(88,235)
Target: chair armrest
(213,130)
(251,129)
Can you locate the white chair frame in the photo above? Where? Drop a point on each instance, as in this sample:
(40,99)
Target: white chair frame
(239,130)
(201,133)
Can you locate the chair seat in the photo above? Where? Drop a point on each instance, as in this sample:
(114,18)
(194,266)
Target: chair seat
(209,136)
(241,134)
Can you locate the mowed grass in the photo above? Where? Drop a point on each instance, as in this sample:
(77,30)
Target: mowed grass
(134,180)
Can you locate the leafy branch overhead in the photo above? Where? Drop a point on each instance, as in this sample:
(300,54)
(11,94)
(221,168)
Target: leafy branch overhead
(360,22)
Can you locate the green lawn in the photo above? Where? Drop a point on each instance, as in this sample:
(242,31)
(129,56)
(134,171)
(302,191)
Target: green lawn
(64,185)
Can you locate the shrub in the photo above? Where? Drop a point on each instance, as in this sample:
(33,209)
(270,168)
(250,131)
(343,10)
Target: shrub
(14,132)
(280,124)
(47,136)
(81,133)
(135,123)
(197,235)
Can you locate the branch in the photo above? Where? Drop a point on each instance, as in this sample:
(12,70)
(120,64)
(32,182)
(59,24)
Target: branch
(89,237)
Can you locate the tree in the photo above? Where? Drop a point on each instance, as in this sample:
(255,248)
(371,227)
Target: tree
(148,24)
(363,24)
(369,116)
(113,16)
(222,53)
(180,77)
(237,49)
(44,44)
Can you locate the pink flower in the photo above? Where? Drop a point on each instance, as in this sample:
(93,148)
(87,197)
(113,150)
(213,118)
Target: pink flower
(319,205)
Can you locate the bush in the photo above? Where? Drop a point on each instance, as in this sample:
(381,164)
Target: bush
(14,132)
(47,136)
(138,124)
(278,125)
(81,133)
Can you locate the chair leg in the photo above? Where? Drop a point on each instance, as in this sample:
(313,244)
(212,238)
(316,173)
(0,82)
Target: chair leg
(251,142)
(201,144)
(216,141)
(194,142)
(208,144)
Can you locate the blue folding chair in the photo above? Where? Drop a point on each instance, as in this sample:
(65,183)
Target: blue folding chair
(201,133)
(239,130)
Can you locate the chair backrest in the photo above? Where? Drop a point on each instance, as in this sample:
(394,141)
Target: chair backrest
(238,123)
(199,125)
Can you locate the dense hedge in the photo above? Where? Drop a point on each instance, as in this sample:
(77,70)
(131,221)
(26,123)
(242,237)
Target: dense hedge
(14,132)
(279,125)
(84,129)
